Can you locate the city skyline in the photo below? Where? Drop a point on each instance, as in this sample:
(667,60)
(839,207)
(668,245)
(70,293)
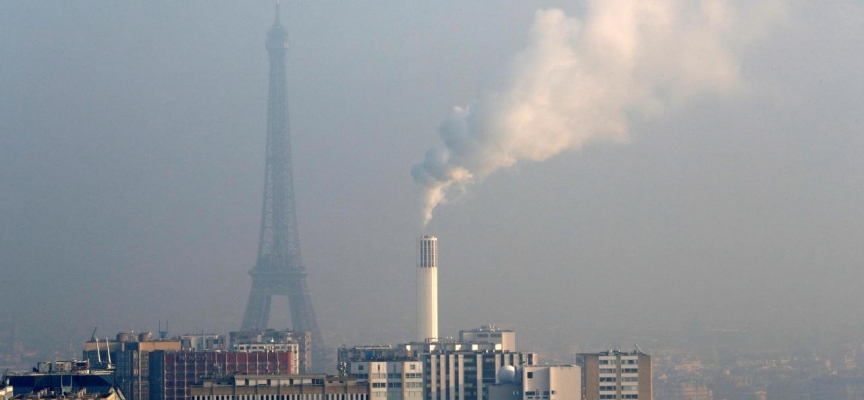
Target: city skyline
(131,142)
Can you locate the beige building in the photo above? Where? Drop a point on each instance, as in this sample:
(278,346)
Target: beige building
(616,375)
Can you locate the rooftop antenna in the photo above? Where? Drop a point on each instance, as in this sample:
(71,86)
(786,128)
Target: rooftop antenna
(99,352)
(163,334)
(110,366)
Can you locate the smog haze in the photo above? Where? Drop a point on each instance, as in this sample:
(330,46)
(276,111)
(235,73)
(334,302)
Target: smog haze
(718,177)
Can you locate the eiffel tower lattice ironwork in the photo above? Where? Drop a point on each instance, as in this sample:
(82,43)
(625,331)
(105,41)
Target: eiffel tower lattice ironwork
(279,270)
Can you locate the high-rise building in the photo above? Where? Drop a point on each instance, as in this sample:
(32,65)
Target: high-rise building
(279,270)
(427,288)
(275,340)
(129,354)
(616,375)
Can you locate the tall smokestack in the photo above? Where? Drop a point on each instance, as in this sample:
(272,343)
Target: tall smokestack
(427,288)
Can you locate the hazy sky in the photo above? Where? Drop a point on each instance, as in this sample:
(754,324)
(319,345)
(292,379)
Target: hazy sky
(705,161)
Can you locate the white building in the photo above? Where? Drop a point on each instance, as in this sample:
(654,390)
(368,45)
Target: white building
(537,382)
(462,374)
(427,288)
(490,334)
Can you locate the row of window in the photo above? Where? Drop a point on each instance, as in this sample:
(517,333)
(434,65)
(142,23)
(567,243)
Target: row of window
(397,395)
(623,396)
(307,396)
(537,392)
(623,379)
(611,370)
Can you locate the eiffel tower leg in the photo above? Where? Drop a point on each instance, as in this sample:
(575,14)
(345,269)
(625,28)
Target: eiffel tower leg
(303,318)
(257,314)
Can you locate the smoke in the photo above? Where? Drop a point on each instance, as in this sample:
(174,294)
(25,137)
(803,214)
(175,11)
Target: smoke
(581,82)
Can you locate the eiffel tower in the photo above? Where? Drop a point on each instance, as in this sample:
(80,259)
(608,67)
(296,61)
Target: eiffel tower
(279,270)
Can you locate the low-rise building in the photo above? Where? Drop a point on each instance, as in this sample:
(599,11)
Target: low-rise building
(279,387)
(58,378)
(536,382)
(172,373)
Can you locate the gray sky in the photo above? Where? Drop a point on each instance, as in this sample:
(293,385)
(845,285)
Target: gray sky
(131,171)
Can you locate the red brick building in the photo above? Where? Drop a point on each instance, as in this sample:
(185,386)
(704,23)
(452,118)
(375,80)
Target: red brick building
(172,373)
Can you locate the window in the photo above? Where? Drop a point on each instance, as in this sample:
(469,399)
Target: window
(530,375)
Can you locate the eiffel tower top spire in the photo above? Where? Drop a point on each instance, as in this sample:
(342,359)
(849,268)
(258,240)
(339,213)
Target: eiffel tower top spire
(277,21)
(277,36)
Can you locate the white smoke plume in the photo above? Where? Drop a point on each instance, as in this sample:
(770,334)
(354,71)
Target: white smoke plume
(578,82)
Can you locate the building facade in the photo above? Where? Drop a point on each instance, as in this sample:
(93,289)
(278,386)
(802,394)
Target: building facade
(392,380)
(279,387)
(616,375)
(57,379)
(536,382)
(389,371)
(203,342)
(273,340)
(462,374)
(490,334)
(129,357)
(172,373)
